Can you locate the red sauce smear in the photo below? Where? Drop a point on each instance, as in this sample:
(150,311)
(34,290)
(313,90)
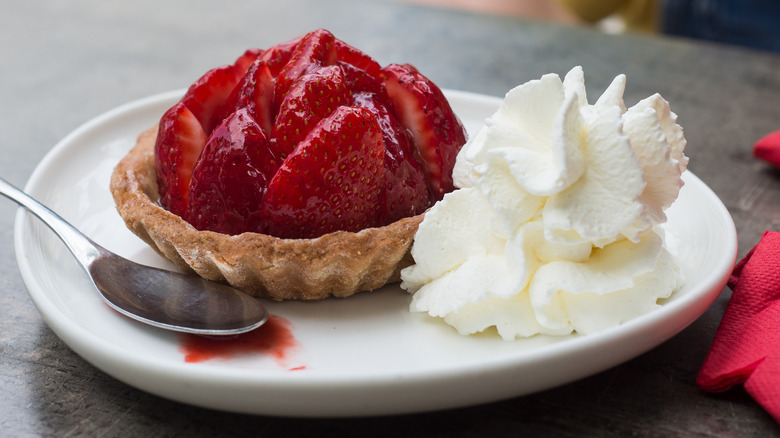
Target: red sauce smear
(273,338)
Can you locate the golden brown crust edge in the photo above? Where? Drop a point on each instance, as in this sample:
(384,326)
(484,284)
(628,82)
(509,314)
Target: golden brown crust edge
(338,264)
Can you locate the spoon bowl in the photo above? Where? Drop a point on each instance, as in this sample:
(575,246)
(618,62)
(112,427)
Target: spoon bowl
(165,299)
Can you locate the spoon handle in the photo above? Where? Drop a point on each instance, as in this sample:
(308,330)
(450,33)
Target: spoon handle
(84,249)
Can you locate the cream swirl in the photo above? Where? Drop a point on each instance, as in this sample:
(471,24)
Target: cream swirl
(554,227)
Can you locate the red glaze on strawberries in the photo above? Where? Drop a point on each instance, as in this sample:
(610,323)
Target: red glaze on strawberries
(314,96)
(406,193)
(424,111)
(255,92)
(230,178)
(352,56)
(277,56)
(206,97)
(244,61)
(180,140)
(315,50)
(305,138)
(332,181)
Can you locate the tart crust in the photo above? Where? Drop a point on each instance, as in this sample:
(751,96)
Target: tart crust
(338,264)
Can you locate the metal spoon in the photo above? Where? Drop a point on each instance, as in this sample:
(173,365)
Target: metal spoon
(165,299)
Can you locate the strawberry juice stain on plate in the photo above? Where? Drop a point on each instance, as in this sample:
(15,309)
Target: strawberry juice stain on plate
(274,338)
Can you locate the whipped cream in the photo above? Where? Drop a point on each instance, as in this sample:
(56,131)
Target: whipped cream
(554,227)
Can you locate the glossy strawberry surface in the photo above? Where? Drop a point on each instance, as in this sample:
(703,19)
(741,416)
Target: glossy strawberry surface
(313,97)
(255,92)
(333,179)
(179,143)
(230,178)
(244,61)
(315,50)
(305,138)
(206,97)
(424,111)
(406,193)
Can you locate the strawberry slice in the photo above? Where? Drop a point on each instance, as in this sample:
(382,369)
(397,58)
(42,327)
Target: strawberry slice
(313,97)
(305,138)
(405,193)
(331,181)
(277,56)
(316,49)
(254,92)
(436,131)
(358,80)
(244,61)
(180,140)
(206,97)
(350,55)
(229,179)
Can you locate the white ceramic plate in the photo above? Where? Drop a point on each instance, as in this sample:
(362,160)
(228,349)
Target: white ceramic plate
(365,355)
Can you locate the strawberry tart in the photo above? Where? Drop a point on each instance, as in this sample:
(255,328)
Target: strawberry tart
(297,172)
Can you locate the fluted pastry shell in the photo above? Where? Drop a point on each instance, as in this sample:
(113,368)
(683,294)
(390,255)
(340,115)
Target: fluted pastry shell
(338,264)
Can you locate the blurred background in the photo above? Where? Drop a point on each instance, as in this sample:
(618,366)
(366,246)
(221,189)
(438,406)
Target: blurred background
(748,23)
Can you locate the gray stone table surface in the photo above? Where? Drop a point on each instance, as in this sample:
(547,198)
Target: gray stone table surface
(64,63)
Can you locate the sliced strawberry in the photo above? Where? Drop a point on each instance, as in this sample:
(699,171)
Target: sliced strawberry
(359,81)
(229,180)
(277,56)
(316,49)
(254,92)
(436,131)
(206,97)
(309,137)
(332,181)
(355,57)
(244,61)
(313,97)
(405,193)
(180,140)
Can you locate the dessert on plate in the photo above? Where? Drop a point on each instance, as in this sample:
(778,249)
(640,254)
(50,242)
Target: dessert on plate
(297,172)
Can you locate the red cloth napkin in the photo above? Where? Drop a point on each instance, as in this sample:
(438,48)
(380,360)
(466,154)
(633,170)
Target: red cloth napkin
(747,344)
(768,148)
